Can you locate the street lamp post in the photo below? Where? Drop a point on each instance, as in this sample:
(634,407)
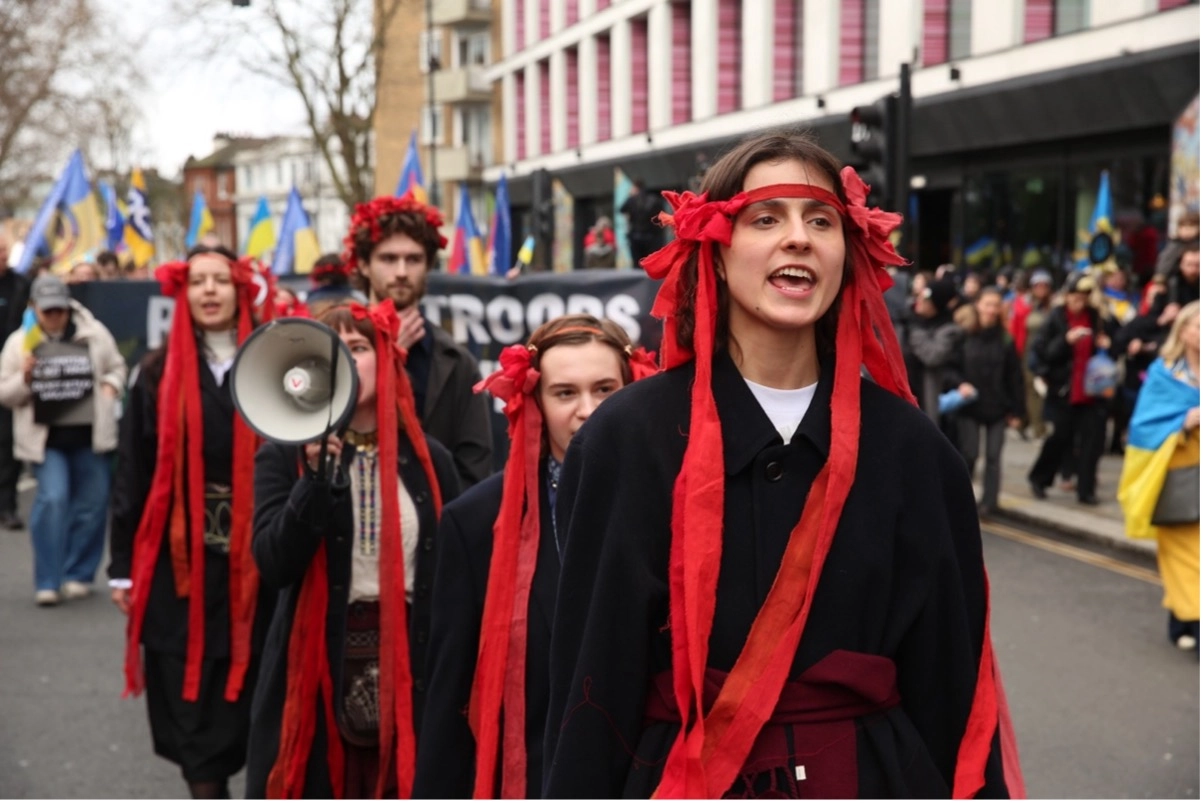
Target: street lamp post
(432,64)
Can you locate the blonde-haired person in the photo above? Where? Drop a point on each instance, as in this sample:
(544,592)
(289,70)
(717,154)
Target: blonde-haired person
(1163,439)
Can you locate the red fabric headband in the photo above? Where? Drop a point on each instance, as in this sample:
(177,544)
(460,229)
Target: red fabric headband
(366,218)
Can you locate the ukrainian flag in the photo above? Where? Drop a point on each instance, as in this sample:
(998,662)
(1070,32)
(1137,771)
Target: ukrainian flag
(1153,436)
(411,172)
(262,236)
(500,232)
(298,248)
(69,224)
(114,221)
(467,250)
(201,222)
(139,236)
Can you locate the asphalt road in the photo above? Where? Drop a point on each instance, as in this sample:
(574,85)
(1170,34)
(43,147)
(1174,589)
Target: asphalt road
(1104,706)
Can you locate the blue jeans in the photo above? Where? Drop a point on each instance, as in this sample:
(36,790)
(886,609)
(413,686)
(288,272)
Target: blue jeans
(68,520)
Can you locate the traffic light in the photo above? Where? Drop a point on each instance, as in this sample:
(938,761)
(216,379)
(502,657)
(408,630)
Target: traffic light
(874,148)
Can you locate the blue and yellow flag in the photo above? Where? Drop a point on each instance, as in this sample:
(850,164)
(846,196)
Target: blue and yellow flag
(201,221)
(467,249)
(501,233)
(114,220)
(1153,436)
(262,234)
(69,225)
(412,179)
(139,236)
(298,248)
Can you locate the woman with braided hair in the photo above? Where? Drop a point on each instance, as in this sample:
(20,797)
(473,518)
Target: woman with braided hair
(495,586)
(180,529)
(351,552)
(762,545)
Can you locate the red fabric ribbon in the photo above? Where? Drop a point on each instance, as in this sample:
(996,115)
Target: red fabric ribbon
(712,746)
(643,364)
(309,673)
(176,502)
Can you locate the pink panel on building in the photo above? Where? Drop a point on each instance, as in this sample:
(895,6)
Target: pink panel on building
(935,31)
(520,111)
(572,69)
(544,107)
(603,88)
(682,97)
(602,4)
(729,71)
(544,19)
(572,11)
(639,90)
(785,49)
(1166,5)
(1038,20)
(519,24)
(852,41)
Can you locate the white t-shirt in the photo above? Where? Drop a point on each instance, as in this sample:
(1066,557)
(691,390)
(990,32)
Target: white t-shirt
(785,408)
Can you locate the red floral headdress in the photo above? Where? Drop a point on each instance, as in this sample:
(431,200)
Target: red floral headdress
(500,679)
(180,511)
(712,745)
(365,222)
(308,668)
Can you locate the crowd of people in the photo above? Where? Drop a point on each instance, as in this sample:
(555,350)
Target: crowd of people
(752,567)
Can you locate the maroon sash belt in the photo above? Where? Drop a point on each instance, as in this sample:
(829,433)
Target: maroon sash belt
(811,752)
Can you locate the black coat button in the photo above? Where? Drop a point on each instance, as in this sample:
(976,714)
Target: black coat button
(421,636)
(420,685)
(420,497)
(403,460)
(428,544)
(773,471)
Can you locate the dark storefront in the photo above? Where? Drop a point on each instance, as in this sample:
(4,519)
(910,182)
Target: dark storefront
(1010,171)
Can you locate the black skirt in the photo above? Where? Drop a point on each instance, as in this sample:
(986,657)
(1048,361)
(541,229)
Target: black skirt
(207,738)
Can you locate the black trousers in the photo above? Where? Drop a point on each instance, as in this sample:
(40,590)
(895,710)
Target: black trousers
(969,441)
(10,467)
(1087,423)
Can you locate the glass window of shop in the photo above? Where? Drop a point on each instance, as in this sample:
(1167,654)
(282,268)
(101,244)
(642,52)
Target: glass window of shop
(1009,219)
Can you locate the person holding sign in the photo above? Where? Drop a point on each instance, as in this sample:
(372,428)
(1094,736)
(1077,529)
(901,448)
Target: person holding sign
(62,379)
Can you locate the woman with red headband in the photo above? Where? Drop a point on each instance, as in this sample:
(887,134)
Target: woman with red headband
(181,528)
(764,546)
(341,694)
(495,586)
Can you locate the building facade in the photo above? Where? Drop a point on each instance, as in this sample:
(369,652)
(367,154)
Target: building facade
(213,176)
(271,170)
(1018,104)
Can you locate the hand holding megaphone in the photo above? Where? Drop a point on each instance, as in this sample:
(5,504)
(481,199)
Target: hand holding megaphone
(313,452)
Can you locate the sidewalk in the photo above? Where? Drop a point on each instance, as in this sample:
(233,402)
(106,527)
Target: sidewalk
(1061,511)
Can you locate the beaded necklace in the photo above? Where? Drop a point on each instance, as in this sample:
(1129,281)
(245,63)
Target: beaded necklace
(367,499)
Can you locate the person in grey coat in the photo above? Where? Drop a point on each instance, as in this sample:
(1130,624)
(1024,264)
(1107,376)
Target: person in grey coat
(934,339)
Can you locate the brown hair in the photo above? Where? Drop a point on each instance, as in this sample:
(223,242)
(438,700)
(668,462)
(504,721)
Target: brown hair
(724,180)
(339,318)
(573,330)
(412,224)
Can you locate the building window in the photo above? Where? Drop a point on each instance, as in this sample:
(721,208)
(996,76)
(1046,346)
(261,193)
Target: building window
(603,88)
(728,56)
(682,66)
(430,50)
(787,49)
(432,125)
(572,69)
(279,173)
(639,90)
(544,107)
(475,132)
(960,24)
(223,186)
(1070,16)
(520,112)
(472,50)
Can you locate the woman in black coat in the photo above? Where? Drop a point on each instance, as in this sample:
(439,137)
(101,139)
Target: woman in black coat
(579,361)
(989,364)
(183,525)
(761,544)
(342,688)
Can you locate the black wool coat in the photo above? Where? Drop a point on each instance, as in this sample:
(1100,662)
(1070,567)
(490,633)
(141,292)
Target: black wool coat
(293,516)
(447,749)
(988,360)
(165,628)
(455,415)
(904,579)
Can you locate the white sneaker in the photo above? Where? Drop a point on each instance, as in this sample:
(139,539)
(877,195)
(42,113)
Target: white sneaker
(1187,642)
(73,589)
(46,597)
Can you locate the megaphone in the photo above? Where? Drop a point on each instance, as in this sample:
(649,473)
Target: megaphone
(294,381)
